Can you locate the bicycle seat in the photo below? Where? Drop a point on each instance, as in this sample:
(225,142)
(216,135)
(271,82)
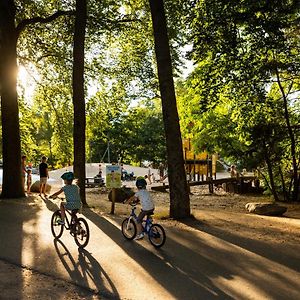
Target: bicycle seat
(150,214)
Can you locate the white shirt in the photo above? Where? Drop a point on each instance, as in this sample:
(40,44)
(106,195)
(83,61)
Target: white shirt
(145,198)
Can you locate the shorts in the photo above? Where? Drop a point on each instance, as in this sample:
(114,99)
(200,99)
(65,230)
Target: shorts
(144,213)
(43,180)
(72,205)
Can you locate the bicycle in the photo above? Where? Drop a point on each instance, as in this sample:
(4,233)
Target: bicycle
(77,226)
(156,233)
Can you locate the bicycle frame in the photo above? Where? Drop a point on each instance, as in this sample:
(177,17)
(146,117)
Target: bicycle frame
(146,223)
(72,214)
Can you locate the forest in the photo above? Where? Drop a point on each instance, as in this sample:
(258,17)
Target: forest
(139,76)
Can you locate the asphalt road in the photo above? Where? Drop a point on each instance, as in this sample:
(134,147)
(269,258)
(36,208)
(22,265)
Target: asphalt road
(193,264)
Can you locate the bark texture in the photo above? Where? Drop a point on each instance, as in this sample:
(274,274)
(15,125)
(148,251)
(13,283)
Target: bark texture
(78,96)
(12,186)
(179,195)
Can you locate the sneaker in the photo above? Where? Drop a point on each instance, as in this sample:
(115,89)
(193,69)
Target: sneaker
(60,222)
(139,236)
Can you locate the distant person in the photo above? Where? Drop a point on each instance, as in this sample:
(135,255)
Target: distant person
(153,177)
(23,170)
(124,173)
(161,171)
(71,191)
(29,180)
(149,174)
(98,178)
(44,175)
(143,196)
(233,171)
(99,175)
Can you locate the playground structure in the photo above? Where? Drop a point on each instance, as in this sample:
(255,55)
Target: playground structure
(201,169)
(198,167)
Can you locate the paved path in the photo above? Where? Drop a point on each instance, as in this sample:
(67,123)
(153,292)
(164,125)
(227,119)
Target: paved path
(193,264)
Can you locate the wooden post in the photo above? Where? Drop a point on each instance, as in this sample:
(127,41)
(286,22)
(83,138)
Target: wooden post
(113,200)
(210,185)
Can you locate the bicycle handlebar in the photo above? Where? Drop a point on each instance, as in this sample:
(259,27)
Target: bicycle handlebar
(131,203)
(56,197)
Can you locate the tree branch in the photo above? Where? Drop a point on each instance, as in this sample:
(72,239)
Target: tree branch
(21,26)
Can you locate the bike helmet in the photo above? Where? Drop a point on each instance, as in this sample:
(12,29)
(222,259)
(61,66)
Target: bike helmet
(67,176)
(141,182)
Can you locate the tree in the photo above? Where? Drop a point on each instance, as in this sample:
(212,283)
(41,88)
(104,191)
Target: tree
(78,96)
(248,50)
(131,133)
(11,144)
(179,194)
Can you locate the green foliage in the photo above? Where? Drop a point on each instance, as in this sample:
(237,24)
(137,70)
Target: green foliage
(133,136)
(243,94)
(119,70)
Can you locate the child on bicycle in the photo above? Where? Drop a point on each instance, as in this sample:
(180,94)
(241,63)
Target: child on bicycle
(72,195)
(143,196)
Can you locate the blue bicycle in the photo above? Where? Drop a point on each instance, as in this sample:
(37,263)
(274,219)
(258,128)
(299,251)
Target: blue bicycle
(155,232)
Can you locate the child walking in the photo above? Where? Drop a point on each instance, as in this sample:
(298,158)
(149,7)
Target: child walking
(29,180)
(72,195)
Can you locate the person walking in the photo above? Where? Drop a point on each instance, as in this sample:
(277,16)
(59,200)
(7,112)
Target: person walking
(23,170)
(161,172)
(44,175)
(149,174)
(29,180)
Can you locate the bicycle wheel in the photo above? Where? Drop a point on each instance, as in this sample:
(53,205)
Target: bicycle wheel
(56,228)
(128,229)
(81,232)
(157,235)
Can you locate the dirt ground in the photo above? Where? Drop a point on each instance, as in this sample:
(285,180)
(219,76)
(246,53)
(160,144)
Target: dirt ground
(220,210)
(211,212)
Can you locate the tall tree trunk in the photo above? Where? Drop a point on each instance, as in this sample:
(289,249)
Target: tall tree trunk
(11,181)
(179,194)
(270,172)
(292,138)
(78,96)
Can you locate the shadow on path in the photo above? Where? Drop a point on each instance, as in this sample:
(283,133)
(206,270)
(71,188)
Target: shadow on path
(50,204)
(22,242)
(175,267)
(276,252)
(84,269)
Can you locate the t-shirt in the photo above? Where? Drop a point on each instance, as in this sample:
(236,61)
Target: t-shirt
(42,169)
(72,196)
(145,198)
